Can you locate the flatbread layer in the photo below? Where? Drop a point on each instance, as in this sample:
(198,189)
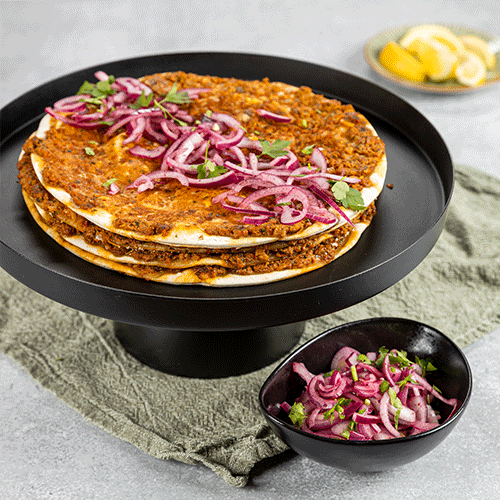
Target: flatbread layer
(173,214)
(209,275)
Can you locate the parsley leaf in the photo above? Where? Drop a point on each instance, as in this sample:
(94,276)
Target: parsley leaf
(347,195)
(308,149)
(297,414)
(341,402)
(396,418)
(400,359)
(109,182)
(426,365)
(176,97)
(143,101)
(407,379)
(362,358)
(277,148)
(383,351)
(346,434)
(384,386)
(354,200)
(167,114)
(340,190)
(97,90)
(209,170)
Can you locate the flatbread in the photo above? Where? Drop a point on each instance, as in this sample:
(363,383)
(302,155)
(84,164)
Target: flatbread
(175,234)
(189,276)
(88,198)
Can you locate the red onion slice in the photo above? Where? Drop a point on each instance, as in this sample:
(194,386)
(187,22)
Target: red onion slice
(273,116)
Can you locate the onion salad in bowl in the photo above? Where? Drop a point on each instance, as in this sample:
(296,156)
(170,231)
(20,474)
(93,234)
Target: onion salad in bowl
(373,396)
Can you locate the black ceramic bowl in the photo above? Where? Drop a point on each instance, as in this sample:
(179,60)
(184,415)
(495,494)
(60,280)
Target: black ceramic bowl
(453,377)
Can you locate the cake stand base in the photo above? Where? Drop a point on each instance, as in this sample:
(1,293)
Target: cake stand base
(208,354)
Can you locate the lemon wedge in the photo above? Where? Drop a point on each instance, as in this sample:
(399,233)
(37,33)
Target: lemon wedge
(471,71)
(438,60)
(434,31)
(400,62)
(479,47)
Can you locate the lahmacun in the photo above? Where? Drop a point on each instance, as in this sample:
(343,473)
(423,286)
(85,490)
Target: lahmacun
(189,179)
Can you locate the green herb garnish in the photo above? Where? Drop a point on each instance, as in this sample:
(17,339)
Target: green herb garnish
(400,359)
(426,365)
(98,90)
(143,101)
(176,97)
(384,386)
(396,418)
(275,149)
(403,382)
(109,182)
(395,401)
(89,151)
(346,434)
(383,351)
(297,414)
(308,149)
(167,114)
(347,195)
(362,358)
(208,168)
(339,408)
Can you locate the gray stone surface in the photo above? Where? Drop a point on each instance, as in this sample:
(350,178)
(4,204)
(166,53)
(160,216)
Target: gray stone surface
(49,451)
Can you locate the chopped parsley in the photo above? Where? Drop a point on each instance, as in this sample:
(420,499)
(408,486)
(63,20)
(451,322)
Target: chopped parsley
(339,408)
(400,358)
(275,149)
(297,414)
(176,97)
(426,365)
(167,113)
(208,169)
(97,91)
(384,386)
(143,101)
(308,149)
(89,151)
(407,379)
(363,358)
(347,195)
(109,182)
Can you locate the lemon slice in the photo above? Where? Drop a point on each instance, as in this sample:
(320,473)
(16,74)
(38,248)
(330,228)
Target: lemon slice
(436,32)
(479,47)
(471,71)
(398,61)
(438,60)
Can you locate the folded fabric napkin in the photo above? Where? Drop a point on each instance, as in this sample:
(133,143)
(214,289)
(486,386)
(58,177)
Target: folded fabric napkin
(217,422)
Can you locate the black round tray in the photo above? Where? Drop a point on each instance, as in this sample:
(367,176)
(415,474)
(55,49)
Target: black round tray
(213,332)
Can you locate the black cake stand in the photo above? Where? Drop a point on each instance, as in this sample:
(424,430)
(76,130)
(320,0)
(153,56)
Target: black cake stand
(199,331)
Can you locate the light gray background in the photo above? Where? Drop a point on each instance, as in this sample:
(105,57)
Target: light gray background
(49,451)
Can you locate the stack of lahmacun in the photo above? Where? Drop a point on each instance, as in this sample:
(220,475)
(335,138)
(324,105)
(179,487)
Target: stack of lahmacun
(187,179)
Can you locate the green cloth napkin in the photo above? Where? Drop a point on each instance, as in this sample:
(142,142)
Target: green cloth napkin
(217,422)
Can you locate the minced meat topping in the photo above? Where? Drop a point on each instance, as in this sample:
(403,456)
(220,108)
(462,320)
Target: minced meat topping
(347,142)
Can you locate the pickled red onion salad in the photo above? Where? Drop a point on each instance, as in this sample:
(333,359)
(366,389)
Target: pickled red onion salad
(211,152)
(373,396)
